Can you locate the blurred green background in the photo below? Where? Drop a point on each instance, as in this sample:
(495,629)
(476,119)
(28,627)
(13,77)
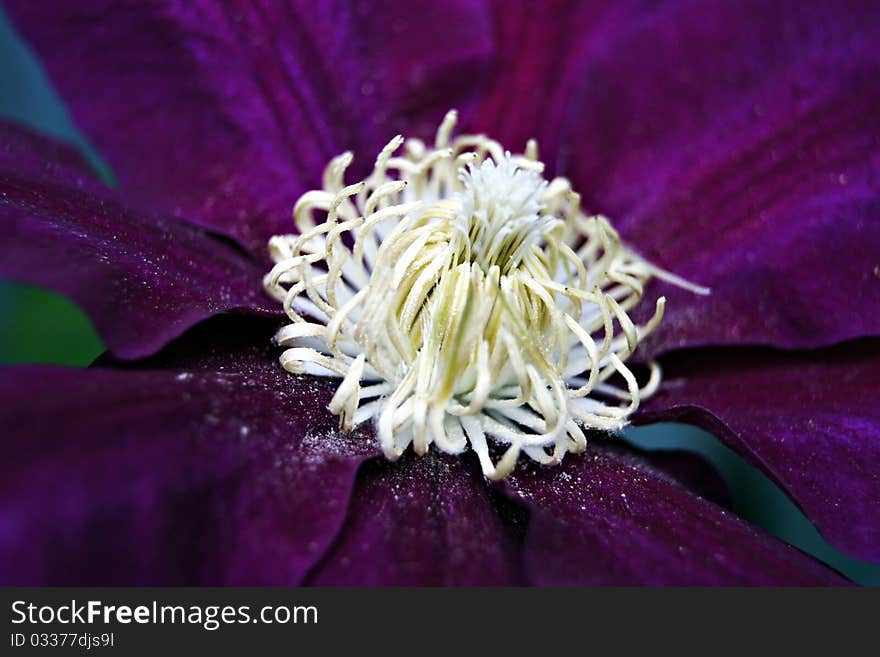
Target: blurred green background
(38,326)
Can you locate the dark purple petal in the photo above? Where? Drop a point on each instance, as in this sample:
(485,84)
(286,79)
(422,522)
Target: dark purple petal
(29,153)
(229,342)
(425,521)
(738,144)
(143,278)
(541,52)
(688,469)
(810,420)
(608,518)
(169,477)
(226,112)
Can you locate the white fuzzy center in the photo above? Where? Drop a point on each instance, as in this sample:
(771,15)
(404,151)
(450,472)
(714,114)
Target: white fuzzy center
(464,301)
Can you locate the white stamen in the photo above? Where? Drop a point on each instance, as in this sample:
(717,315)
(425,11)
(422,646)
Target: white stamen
(463,299)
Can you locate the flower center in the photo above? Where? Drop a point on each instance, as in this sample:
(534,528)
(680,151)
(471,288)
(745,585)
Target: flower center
(464,301)
(501,213)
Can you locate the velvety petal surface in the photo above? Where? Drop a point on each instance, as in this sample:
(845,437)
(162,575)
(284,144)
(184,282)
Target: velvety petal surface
(436,521)
(228,473)
(541,51)
(225,112)
(425,521)
(611,517)
(810,420)
(738,145)
(29,153)
(142,277)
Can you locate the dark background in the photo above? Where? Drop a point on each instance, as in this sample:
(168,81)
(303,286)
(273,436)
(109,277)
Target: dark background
(37,326)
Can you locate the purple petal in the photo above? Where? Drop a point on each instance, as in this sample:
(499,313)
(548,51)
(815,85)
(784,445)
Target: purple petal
(809,420)
(425,521)
(143,278)
(169,476)
(607,518)
(226,114)
(541,53)
(28,153)
(688,469)
(738,144)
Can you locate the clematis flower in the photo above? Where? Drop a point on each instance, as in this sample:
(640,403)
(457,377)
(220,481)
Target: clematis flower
(736,145)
